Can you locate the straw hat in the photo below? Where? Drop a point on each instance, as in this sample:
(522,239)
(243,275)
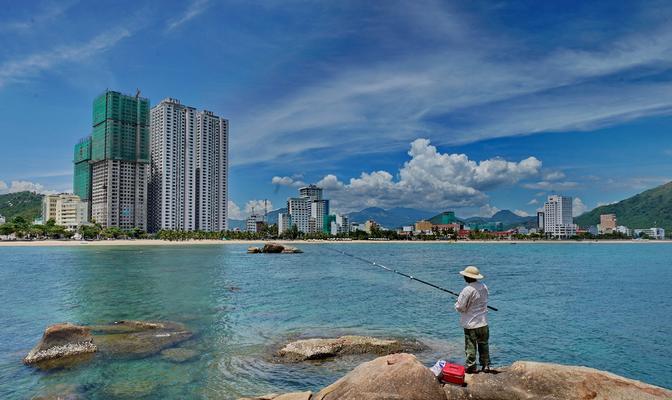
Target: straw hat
(471,272)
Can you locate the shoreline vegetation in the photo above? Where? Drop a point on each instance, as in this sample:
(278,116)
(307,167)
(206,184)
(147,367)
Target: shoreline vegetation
(160,242)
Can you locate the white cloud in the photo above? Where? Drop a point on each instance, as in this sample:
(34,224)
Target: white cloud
(533,201)
(578,207)
(15,70)
(556,90)
(287,181)
(196,8)
(488,211)
(554,175)
(22,186)
(550,186)
(521,213)
(258,207)
(429,180)
(234,211)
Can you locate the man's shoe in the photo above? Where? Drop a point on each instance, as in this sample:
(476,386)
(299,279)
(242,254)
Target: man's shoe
(472,370)
(486,369)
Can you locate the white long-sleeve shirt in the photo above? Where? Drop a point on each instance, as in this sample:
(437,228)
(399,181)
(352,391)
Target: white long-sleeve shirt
(472,304)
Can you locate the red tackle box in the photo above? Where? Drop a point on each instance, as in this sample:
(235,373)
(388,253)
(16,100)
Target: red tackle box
(452,373)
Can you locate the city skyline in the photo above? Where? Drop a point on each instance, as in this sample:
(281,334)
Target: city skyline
(573,113)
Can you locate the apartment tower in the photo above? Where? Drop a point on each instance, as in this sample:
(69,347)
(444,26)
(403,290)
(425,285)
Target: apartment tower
(558,220)
(111,167)
(188,188)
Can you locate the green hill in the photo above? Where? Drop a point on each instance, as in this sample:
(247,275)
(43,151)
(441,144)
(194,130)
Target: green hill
(25,204)
(645,210)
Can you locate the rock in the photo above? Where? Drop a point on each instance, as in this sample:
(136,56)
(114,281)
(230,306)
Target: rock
(253,250)
(61,341)
(272,248)
(292,250)
(397,376)
(533,380)
(131,389)
(286,396)
(179,355)
(317,349)
(138,338)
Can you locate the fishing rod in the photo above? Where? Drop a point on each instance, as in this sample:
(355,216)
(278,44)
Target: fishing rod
(411,277)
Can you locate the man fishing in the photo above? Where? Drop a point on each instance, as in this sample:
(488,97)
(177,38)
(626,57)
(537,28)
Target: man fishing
(472,304)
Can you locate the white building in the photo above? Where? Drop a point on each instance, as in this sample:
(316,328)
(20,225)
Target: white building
(299,209)
(653,233)
(65,209)
(558,220)
(341,224)
(119,193)
(311,191)
(252,222)
(284,222)
(318,210)
(624,230)
(188,187)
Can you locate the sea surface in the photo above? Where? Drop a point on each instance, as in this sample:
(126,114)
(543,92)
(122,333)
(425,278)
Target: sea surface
(607,306)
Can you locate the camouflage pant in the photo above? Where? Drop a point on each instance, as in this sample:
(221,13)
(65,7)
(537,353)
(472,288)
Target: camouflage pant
(476,339)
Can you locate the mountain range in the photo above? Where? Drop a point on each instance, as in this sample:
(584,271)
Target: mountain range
(21,204)
(645,210)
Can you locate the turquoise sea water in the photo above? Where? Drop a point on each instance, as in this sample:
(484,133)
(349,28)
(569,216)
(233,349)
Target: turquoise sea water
(607,306)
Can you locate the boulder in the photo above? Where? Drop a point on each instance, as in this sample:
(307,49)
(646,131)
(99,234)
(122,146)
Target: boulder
(533,380)
(60,341)
(138,338)
(272,248)
(286,396)
(318,349)
(397,376)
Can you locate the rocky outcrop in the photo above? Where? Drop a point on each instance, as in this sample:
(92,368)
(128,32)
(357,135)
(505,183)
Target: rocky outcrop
(61,341)
(402,376)
(533,380)
(318,349)
(65,344)
(397,376)
(273,248)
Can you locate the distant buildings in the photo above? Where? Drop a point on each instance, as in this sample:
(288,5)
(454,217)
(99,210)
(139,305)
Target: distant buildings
(65,209)
(440,223)
(188,187)
(308,211)
(540,220)
(652,233)
(284,222)
(255,223)
(607,224)
(338,224)
(558,220)
(111,167)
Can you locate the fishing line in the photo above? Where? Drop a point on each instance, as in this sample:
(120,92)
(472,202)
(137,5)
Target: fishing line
(411,277)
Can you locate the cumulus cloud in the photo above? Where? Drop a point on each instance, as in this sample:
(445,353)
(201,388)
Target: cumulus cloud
(22,186)
(488,211)
(578,207)
(287,181)
(258,207)
(234,211)
(554,175)
(429,180)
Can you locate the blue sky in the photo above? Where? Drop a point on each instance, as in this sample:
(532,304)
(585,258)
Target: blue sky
(473,106)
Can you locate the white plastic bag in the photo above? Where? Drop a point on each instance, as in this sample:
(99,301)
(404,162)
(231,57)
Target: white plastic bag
(438,367)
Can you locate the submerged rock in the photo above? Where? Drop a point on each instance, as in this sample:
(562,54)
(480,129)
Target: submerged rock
(61,341)
(318,349)
(291,250)
(535,380)
(179,355)
(138,338)
(253,250)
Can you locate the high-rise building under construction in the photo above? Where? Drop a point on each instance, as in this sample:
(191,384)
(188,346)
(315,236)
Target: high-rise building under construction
(117,154)
(188,188)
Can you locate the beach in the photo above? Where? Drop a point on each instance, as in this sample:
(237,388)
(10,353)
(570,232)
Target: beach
(156,242)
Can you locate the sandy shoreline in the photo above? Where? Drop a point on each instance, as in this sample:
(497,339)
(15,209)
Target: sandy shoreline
(150,242)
